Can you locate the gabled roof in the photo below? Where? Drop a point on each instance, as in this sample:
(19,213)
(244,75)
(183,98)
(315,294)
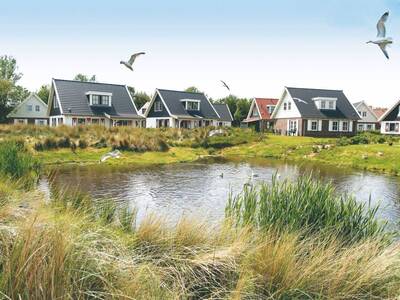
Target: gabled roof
(172,101)
(73,99)
(388,111)
(262,105)
(31,95)
(303,98)
(379,111)
(357,104)
(224,112)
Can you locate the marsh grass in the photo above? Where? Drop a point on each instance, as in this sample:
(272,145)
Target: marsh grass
(305,205)
(18,164)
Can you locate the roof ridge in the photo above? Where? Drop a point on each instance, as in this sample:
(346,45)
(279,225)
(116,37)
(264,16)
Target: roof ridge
(201,93)
(91,82)
(299,88)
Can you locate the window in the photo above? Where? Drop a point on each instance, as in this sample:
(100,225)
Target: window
(345,126)
(95,99)
(284,106)
(270,108)
(37,108)
(81,121)
(369,127)
(143,110)
(289,105)
(105,100)
(55,102)
(95,121)
(392,127)
(360,127)
(364,114)
(30,107)
(331,104)
(359,112)
(335,125)
(192,105)
(157,106)
(314,125)
(323,104)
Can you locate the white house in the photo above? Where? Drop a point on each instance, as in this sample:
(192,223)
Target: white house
(390,120)
(30,111)
(369,120)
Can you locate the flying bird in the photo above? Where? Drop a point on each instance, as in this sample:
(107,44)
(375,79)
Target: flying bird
(382,40)
(225,85)
(130,62)
(112,154)
(300,100)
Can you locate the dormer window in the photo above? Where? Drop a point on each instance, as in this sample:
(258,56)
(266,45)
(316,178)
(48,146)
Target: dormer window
(99,98)
(325,103)
(191,104)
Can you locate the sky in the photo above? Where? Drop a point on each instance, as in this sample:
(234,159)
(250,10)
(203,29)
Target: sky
(256,46)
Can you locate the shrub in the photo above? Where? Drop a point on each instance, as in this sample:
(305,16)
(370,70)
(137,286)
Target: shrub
(306,205)
(343,141)
(64,142)
(49,144)
(82,144)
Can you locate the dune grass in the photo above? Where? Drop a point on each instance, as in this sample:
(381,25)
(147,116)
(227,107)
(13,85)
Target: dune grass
(76,248)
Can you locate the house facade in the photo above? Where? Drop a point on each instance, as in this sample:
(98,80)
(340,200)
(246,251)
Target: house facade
(259,116)
(177,109)
(30,111)
(369,120)
(90,103)
(315,113)
(390,120)
(225,115)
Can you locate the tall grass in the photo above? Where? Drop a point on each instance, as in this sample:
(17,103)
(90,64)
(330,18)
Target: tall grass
(17,163)
(305,205)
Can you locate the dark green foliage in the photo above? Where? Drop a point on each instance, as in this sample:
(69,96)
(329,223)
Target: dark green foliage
(82,144)
(305,205)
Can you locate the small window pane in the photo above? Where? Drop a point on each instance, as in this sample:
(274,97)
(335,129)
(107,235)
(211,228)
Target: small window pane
(37,108)
(30,107)
(105,100)
(95,99)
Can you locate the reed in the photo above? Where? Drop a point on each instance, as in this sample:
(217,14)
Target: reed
(305,205)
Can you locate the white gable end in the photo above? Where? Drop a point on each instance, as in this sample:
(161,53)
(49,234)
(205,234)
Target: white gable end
(286,108)
(31,107)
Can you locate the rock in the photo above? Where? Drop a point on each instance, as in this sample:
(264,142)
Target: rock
(380,153)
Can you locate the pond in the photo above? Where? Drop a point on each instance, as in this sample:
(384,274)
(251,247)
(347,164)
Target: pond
(201,189)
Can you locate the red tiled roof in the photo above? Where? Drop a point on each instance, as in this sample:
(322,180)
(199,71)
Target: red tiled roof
(262,104)
(379,111)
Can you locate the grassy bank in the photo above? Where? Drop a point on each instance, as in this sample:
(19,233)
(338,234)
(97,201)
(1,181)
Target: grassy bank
(73,247)
(384,158)
(86,145)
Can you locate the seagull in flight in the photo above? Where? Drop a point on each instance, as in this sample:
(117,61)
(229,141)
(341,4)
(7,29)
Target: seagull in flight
(130,62)
(382,40)
(225,85)
(112,154)
(300,100)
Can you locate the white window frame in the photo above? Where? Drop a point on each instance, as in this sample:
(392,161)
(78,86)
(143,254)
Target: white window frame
(30,107)
(331,123)
(323,104)
(364,114)
(270,109)
(158,106)
(342,126)
(100,95)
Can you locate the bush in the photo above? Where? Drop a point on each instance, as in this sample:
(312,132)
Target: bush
(17,163)
(343,141)
(82,144)
(64,142)
(304,205)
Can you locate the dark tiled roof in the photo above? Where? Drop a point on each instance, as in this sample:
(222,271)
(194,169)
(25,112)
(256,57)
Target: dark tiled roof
(305,104)
(173,101)
(224,112)
(74,100)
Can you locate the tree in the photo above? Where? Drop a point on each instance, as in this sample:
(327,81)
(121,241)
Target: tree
(239,107)
(85,78)
(10,92)
(44,93)
(8,69)
(141,98)
(192,89)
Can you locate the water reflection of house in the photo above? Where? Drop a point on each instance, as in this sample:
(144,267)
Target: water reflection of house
(259,116)
(177,109)
(85,103)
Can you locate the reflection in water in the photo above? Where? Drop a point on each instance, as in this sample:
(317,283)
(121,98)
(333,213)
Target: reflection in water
(199,189)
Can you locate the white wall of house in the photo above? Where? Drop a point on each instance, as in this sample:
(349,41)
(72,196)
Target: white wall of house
(293,112)
(390,127)
(366,126)
(217,123)
(365,113)
(32,107)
